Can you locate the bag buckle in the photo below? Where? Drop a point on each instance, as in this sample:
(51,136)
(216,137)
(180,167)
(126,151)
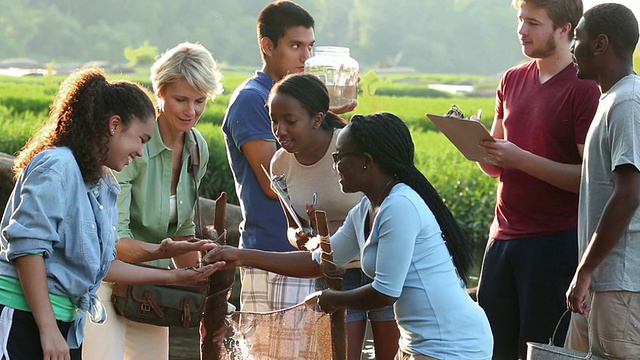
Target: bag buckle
(145,307)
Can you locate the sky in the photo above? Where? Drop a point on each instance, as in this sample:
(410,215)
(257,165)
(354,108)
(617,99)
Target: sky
(634,5)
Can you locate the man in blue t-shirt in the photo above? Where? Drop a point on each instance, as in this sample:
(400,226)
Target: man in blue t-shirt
(285,38)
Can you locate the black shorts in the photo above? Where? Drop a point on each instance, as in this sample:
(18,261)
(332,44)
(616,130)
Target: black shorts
(522,290)
(24,338)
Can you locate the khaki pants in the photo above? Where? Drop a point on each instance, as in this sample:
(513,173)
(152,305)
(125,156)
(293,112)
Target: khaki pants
(404,356)
(119,338)
(612,328)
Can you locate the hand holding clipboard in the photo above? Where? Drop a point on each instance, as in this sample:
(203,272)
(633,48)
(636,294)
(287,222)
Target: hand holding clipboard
(464,134)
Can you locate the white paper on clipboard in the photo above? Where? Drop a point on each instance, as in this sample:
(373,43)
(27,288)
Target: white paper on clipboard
(465,134)
(278,184)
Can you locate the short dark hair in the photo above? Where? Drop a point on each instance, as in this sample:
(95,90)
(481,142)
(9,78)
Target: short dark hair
(615,21)
(560,11)
(312,94)
(277,17)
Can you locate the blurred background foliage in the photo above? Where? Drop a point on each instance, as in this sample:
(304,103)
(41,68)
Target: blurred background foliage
(457,36)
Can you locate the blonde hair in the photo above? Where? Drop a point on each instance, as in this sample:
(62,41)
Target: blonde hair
(559,11)
(191,62)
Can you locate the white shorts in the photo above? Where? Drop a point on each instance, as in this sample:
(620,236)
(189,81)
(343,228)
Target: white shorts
(121,339)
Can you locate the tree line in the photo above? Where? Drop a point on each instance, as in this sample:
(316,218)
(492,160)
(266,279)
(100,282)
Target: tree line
(453,36)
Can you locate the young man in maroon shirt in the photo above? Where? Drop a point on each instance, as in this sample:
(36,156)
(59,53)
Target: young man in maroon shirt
(543,112)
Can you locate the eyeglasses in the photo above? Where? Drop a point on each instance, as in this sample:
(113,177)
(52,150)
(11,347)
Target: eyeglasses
(337,157)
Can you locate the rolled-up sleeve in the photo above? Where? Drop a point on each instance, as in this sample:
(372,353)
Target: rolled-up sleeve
(33,227)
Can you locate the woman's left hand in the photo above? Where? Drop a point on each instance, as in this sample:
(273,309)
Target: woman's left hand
(198,273)
(325,301)
(344,108)
(170,248)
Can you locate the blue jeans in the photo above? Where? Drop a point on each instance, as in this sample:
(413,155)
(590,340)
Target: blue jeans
(352,279)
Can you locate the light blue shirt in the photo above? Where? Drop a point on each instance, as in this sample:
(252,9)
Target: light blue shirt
(53,212)
(408,259)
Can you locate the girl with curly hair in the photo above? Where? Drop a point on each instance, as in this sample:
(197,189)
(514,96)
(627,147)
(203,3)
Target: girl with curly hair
(59,229)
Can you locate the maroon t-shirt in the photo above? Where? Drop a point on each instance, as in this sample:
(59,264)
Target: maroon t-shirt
(548,120)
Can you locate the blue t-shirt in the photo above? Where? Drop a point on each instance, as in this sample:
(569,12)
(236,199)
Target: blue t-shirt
(264,225)
(408,259)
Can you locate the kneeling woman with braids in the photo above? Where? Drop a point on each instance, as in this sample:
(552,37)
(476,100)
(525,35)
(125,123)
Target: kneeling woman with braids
(408,241)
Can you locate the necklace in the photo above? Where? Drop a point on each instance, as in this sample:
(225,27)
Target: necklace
(384,188)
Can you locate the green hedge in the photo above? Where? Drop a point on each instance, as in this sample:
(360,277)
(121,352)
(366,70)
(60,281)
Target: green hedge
(32,95)
(17,129)
(410,90)
(469,193)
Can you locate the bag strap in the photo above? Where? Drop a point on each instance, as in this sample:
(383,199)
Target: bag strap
(194,165)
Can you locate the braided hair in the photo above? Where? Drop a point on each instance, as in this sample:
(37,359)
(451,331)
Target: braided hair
(387,139)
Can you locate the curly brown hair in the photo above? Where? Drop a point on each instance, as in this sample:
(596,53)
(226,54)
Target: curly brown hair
(79,119)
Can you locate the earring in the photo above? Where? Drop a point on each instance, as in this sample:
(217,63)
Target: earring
(364,167)
(113,131)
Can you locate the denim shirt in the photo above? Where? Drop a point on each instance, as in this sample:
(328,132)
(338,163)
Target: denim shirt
(73,224)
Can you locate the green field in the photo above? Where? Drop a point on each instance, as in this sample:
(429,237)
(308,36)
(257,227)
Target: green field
(467,191)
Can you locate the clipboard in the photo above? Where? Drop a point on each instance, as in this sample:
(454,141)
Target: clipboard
(465,134)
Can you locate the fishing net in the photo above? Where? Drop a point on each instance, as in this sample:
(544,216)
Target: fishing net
(295,333)
(299,332)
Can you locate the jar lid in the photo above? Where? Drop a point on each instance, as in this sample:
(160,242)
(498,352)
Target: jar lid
(333,49)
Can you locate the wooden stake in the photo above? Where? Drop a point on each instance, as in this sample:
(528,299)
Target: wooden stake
(333,275)
(220,282)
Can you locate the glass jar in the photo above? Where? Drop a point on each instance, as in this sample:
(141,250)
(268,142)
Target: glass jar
(337,70)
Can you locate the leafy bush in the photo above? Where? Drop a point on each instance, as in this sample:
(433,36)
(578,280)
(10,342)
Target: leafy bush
(143,55)
(413,110)
(218,177)
(467,191)
(16,129)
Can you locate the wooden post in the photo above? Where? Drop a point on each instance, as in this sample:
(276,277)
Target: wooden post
(219,284)
(333,275)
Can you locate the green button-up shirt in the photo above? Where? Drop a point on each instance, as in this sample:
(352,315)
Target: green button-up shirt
(146,187)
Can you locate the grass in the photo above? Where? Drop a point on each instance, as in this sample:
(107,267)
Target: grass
(465,189)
